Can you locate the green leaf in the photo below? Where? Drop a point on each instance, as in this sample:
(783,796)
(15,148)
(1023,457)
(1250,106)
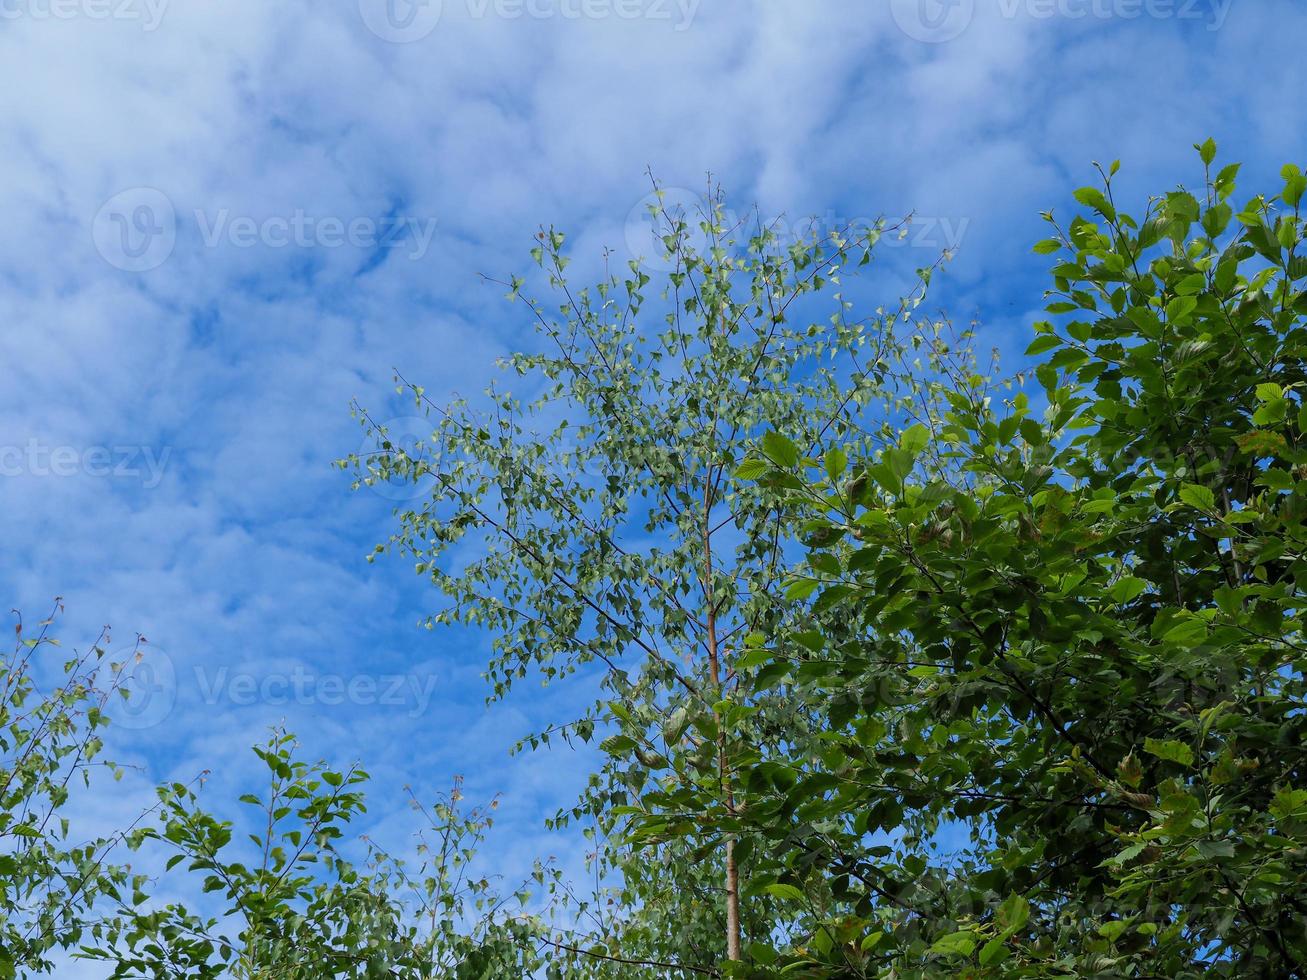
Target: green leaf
(914,439)
(1188,631)
(1111,931)
(1127,855)
(754,658)
(1042,344)
(751,469)
(1272,412)
(1033,432)
(993,952)
(836,461)
(1127,588)
(1013,914)
(801,588)
(1225,180)
(955,944)
(1170,750)
(1092,197)
(1289,803)
(788,893)
(780,450)
(1199,498)
(1180,308)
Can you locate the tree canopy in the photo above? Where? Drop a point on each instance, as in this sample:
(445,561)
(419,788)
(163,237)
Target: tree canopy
(1082,639)
(904,667)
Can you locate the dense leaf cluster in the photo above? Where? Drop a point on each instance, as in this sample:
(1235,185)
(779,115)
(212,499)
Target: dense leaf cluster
(1085,752)
(50,741)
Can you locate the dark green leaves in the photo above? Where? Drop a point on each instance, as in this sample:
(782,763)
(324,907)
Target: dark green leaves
(1084,658)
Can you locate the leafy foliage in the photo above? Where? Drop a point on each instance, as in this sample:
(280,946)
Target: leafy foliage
(294,906)
(1080,652)
(903,671)
(49,742)
(607,537)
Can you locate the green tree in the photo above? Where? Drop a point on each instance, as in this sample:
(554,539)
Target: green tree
(594,527)
(1083,631)
(50,881)
(291,904)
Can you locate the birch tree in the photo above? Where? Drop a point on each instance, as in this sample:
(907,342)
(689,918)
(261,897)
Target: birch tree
(584,513)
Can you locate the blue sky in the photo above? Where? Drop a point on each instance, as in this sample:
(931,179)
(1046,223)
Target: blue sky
(224,221)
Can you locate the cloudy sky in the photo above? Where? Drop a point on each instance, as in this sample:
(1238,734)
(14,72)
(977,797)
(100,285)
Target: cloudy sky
(225,219)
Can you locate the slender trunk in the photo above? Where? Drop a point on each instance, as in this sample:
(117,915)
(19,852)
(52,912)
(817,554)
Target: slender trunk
(723,768)
(732,902)
(733,930)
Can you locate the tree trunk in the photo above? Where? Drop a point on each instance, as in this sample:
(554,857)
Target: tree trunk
(723,768)
(732,902)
